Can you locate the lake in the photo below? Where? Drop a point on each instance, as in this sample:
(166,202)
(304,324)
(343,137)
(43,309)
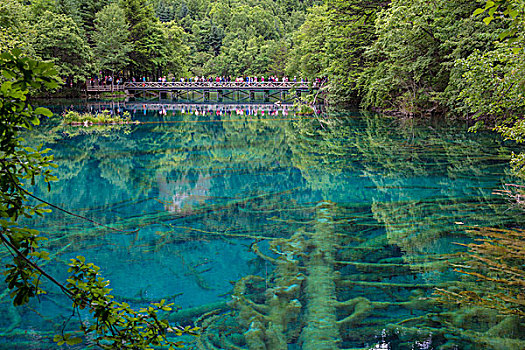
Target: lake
(273,230)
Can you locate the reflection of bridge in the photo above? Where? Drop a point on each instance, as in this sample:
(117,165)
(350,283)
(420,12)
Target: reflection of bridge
(203,91)
(193,107)
(207,107)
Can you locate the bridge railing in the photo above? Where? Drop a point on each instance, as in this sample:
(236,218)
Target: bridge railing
(215,85)
(104,88)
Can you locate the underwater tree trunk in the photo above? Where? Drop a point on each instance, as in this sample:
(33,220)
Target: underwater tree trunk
(321,331)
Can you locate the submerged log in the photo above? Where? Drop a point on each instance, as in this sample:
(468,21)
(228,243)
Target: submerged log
(321,331)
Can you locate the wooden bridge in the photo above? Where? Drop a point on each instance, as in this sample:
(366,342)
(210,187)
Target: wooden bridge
(204,91)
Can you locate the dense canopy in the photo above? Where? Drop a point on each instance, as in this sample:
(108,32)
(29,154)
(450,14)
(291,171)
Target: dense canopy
(412,57)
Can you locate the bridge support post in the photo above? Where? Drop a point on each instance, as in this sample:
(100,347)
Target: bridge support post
(266,95)
(206,95)
(220,95)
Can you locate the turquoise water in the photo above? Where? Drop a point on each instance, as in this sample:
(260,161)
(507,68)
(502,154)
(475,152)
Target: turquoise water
(340,208)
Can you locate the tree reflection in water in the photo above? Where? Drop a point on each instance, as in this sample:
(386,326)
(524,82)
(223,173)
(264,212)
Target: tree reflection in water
(340,228)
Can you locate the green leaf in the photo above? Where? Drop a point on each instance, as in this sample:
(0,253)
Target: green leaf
(8,74)
(478,11)
(44,111)
(504,34)
(487,20)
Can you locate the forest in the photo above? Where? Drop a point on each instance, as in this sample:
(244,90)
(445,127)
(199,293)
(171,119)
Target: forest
(453,58)
(416,58)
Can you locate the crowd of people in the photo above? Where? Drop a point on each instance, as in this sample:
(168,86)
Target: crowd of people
(110,80)
(243,79)
(105,80)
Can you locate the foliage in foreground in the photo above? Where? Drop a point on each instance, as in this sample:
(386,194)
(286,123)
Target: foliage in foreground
(115,325)
(19,164)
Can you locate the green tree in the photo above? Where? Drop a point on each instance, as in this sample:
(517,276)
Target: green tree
(111,39)
(14,27)
(165,11)
(411,66)
(309,54)
(139,17)
(38,7)
(59,40)
(174,37)
(352,30)
(151,42)
(277,53)
(493,80)
(406,68)
(332,42)
(87,10)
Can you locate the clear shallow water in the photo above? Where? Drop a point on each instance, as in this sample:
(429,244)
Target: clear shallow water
(287,214)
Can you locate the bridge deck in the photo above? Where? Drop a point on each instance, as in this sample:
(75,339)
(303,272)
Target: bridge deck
(199,86)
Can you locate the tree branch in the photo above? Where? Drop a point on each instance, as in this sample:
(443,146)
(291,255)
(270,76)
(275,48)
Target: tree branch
(10,245)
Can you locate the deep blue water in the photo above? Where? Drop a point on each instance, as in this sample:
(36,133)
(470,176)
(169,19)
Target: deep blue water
(193,190)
